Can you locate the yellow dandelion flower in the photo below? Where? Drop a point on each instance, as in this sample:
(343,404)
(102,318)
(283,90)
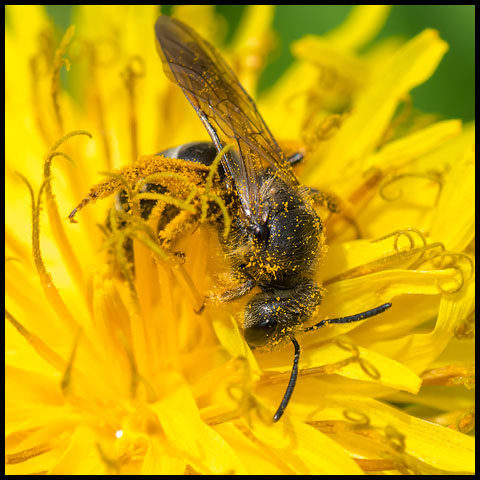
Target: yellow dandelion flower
(118,368)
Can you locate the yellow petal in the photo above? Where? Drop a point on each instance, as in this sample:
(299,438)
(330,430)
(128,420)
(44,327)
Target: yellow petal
(183,431)
(410,66)
(390,372)
(217,456)
(230,337)
(203,18)
(361,25)
(301,449)
(321,53)
(418,350)
(160,461)
(82,457)
(433,444)
(253,41)
(402,151)
(257,461)
(454,220)
(256,22)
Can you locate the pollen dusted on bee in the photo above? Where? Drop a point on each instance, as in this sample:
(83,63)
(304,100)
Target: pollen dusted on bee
(176,173)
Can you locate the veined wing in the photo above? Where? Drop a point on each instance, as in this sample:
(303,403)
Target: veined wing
(227,111)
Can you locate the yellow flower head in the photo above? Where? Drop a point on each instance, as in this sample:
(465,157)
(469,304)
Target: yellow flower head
(118,359)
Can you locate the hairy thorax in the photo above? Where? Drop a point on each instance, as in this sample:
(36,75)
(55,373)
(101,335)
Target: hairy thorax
(290,241)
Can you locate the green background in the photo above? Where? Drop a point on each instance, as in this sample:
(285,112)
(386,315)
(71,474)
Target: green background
(450,91)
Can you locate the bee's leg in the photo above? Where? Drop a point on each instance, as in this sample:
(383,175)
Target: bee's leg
(295,159)
(326,200)
(234,293)
(198,300)
(101,190)
(334,205)
(174,227)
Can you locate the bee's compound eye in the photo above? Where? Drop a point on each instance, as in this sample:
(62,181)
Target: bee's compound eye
(260,231)
(259,334)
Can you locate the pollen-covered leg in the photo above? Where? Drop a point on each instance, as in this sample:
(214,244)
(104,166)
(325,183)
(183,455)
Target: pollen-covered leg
(326,200)
(98,191)
(179,224)
(234,293)
(173,173)
(296,158)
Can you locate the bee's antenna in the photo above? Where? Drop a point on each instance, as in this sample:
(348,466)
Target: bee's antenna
(351,318)
(296,357)
(291,382)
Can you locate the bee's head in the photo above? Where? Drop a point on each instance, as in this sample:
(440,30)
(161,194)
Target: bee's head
(273,313)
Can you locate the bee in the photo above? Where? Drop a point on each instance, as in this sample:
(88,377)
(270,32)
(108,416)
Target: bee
(276,239)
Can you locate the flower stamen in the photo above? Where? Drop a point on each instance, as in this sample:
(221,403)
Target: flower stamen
(359,418)
(465,329)
(454,265)
(46,280)
(67,374)
(24,455)
(49,355)
(133,71)
(246,401)
(394,438)
(52,209)
(58,62)
(398,233)
(387,182)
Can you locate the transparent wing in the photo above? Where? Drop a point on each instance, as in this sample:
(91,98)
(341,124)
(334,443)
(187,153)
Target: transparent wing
(225,108)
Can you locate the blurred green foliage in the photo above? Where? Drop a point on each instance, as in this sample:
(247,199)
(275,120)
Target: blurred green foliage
(451,90)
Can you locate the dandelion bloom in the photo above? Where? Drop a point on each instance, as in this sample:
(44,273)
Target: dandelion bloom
(115,372)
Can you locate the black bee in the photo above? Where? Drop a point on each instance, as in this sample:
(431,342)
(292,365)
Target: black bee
(276,238)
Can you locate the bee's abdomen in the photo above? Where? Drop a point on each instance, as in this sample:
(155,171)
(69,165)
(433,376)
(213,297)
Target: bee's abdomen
(199,152)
